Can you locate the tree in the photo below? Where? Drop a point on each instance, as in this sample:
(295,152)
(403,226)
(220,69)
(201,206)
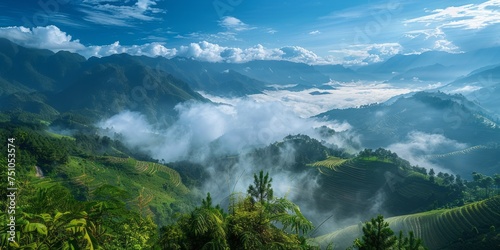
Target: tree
(431,175)
(377,235)
(257,221)
(409,243)
(261,191)
(497,182)
(487,183)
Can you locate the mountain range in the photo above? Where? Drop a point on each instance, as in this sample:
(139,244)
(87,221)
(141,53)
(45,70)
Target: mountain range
(454,126)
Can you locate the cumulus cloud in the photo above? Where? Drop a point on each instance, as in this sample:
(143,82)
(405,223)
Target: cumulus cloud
(234,24)
(207,51)
(49,37)
(445,45)
(52,38)
(148,49)
(429,39)
(299,54)
(315,32)
(362,54)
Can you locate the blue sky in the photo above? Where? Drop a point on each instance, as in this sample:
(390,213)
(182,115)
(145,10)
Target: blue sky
(315,32)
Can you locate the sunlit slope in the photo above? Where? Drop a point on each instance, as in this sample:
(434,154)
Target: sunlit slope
(368,184)
(155,189)
(331,163)
(438,228)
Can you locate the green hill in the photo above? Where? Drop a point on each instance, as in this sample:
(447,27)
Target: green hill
(154,189)
(440,229)
(450,116)
(373,182)
(86,163)
(44,84)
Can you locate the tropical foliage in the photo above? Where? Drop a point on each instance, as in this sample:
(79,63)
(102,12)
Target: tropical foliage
(255,221)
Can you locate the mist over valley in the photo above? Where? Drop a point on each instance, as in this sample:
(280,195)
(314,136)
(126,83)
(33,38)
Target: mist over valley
(221,134)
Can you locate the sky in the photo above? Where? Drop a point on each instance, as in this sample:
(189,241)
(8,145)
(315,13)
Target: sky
(356,32)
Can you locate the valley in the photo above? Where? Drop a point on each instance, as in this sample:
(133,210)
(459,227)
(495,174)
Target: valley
(141,147)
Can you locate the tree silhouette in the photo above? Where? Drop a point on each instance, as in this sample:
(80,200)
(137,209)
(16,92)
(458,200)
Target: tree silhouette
(431,175)
(261,190)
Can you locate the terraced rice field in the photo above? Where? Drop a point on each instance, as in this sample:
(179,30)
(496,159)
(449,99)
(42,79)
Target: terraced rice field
(348,182)
(436,228)
(331,162)
(87,181)
(151,168)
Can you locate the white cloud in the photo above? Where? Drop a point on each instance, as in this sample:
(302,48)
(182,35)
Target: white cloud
(445,45)
(148,49)
(49,37)
(271,31)
(115,13)
(316,32)
(345,95)
(234,24)
(52,38)
(418,145)
(244,124)
(362,54)
(206,51)
(299,54)
(145,4)
(426,33)
(469,16)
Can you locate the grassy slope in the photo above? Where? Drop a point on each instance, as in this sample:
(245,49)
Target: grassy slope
(155,185)
(438,228)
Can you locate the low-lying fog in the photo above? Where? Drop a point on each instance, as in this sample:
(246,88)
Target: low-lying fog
(311,102)
(236,125)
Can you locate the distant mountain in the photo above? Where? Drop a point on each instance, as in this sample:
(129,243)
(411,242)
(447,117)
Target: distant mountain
(212,78)
(451,116)
(340,73)
(281,72)
(112,84)
(427,74)
(34,103)
(463,63)
(24,69)
(484,77)
(481,86)
(44,84)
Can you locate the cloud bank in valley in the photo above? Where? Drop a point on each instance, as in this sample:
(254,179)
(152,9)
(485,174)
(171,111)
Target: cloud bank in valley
(205,130)
(418,145)
(202,129)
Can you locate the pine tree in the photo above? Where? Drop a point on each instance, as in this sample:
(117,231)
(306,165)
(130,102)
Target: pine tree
(261,190)
(377,235)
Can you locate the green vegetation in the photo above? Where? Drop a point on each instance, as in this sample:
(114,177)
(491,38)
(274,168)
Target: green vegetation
(49,217)
(331,162)
(96,193)
(461,226)
(257,221)
(377,235)
(83,200)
